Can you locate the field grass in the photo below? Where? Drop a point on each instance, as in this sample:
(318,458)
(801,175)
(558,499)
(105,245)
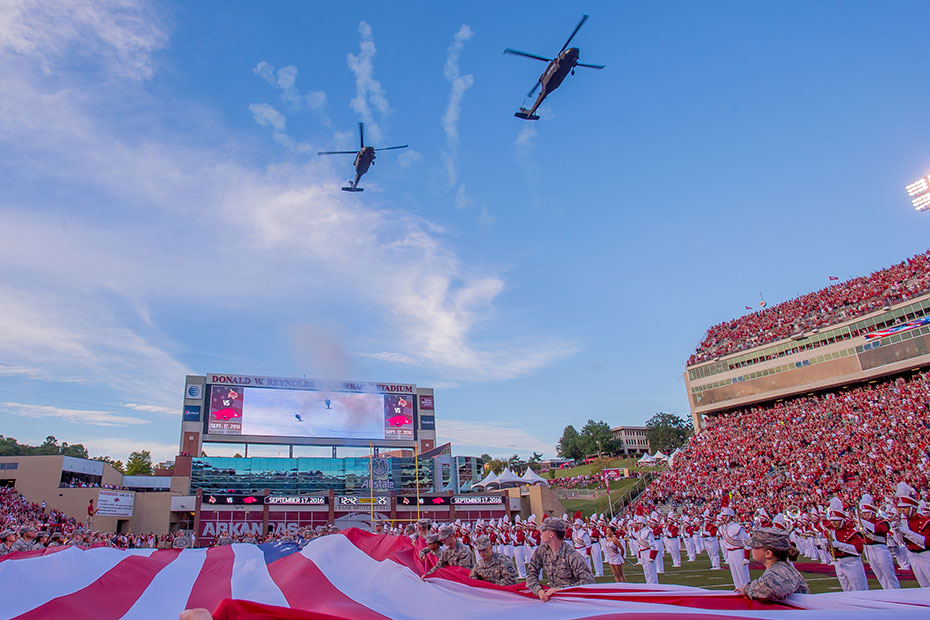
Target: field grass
(586,470)
(699,574)
(599,505)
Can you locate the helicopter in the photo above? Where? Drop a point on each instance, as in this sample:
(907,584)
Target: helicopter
(552,77)
(364,158)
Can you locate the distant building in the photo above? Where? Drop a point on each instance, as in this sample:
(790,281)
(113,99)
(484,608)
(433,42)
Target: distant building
(632,439)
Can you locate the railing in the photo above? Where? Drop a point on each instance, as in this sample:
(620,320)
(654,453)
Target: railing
(632,494)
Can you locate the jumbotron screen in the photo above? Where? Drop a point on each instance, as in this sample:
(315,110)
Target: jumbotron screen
(277,412)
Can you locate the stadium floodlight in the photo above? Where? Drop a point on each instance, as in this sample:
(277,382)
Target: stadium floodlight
(919,191)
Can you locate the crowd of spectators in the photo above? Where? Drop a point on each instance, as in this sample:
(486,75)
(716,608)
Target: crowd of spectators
(834,304)
(76,483)
(53,528)
(804,451)
(39,527)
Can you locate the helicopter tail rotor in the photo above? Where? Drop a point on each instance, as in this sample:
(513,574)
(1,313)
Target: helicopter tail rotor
(361,135)
(535,88)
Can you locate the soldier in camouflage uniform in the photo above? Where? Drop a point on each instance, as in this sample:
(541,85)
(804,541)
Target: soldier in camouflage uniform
(27,539)
(455,553)
(564,566)
(423,527)
(493,567)
(432,546)
(7,539)
(780,579)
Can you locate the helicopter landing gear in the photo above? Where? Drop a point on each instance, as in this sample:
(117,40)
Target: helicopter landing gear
(525,115)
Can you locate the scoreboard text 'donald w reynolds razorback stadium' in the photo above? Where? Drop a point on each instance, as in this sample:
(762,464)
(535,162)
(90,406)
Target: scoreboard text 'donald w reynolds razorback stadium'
(232,408)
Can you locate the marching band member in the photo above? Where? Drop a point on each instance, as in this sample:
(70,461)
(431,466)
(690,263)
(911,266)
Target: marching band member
(674,542)
(659,542)
(736,542)
(711,544)
(846,543)
(597,557)
(519,549)
(646,548)
(875,530)
(915,530)
(688,537)
(581,540)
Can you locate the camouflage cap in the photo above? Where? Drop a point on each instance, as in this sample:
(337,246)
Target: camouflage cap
(446,531)
(26,528)
(483,542)
(6,533)
(426,523)
(556,525)
(770,538)
(433,538)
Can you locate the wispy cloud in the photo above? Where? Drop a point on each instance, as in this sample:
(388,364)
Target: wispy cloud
(151,408)
(267,116)
(368,91)
(459,84)
(285,80)
(492,437)
(58,311)
(118,36)
(82,416)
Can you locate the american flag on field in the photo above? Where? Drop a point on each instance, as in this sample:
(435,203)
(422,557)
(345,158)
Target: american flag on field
(364,577)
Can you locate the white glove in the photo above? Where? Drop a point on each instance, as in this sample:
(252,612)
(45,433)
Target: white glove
(914,537)
(845,547)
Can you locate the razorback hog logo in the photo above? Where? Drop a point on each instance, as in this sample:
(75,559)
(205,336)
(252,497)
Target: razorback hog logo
(249,500)
(399,420)
(437,500)
(226,414)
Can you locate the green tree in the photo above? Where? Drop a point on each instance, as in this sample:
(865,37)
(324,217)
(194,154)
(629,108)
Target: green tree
(495,465)
(667,432)
(570,446)
(516,465)
(117,465)
(139,463)
(77,450)
(49,447)
(594,433)
(535,460)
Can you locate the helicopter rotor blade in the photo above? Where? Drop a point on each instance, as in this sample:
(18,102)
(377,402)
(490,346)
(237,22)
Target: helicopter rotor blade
(361,135)
(535,87)
(391,148)
(581,64)
(337,152)
(574,32)
(519,53)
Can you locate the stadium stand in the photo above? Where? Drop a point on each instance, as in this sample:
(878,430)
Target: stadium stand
(842,301)
(803,451)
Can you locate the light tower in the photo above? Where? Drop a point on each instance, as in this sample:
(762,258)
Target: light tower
(919,191)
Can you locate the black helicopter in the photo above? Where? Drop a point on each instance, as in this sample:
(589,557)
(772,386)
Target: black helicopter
(552,77)
(364,158)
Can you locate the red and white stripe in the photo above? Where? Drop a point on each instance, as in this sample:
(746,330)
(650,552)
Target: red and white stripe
(364,577)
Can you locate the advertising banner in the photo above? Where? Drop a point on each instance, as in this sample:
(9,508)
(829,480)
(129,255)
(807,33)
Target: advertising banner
(115,503)
(192,413)
(426,402)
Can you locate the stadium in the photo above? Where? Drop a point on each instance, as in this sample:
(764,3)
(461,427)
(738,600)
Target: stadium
(179,195)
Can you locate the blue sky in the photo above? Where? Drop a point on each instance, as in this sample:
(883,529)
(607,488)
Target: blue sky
(163,210)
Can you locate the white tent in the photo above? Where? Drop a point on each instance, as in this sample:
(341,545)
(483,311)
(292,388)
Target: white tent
(647,459)
(491,477)
(509,479)
(671,459)
(660,456)
(532,477)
